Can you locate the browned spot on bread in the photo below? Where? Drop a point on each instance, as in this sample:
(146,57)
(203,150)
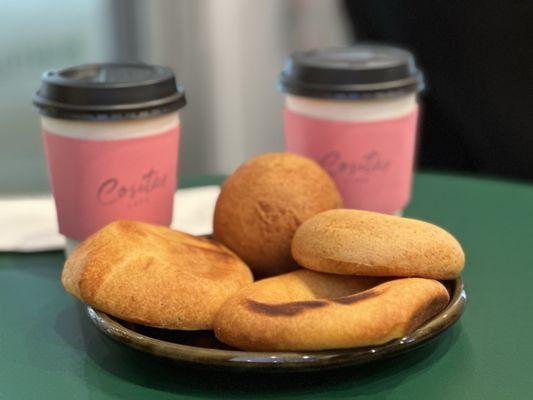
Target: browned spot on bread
(354,298)
(284,309)
(436,305)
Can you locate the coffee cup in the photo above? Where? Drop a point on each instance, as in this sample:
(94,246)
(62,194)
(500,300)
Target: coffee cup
(111,136)
(354,110)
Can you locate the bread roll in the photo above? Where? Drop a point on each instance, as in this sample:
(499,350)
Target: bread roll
(354,242)
(153,275)
(263,202)
(307,310)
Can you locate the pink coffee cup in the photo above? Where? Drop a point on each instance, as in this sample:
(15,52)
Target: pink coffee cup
(354,110)
(111,136)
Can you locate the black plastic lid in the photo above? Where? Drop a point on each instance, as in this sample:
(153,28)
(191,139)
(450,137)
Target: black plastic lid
(109,91)
(362,71)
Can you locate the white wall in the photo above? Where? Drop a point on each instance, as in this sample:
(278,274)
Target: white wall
(228,54)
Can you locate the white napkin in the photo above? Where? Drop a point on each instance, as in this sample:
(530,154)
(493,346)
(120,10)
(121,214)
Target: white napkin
(29,224)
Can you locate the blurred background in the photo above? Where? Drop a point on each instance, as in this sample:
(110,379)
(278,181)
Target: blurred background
(228,54)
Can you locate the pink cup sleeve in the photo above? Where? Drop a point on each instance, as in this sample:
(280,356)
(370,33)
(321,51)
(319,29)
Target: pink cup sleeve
(95,182)
(371,162)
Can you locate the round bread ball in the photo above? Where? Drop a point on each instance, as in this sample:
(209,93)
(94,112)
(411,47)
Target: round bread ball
(263,203)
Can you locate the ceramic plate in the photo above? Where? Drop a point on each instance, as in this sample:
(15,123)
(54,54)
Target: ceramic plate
(203,349)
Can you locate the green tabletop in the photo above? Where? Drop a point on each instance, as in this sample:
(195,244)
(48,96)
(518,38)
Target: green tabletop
(49,349)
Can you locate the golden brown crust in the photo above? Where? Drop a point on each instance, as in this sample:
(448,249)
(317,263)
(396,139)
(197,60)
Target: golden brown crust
(307,310)
(153,275)
(354,242)
(263,202)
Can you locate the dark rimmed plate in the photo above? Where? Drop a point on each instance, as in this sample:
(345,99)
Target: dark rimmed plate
(201,348)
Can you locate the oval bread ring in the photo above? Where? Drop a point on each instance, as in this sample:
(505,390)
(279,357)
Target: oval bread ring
(355,242)
(307,310)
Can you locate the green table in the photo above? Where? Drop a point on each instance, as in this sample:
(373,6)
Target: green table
(49,349)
